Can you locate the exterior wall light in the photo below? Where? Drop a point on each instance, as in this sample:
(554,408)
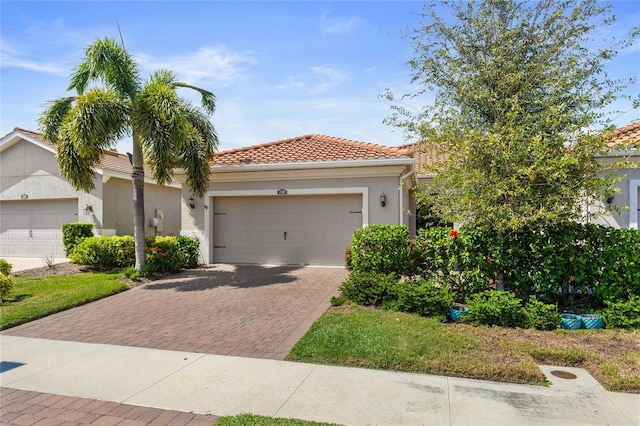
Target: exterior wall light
(610,198)
(88,209)
(191,203)
(383,200)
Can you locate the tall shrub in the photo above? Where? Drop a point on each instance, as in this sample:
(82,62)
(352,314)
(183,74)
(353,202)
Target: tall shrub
(74,233)
(381,248)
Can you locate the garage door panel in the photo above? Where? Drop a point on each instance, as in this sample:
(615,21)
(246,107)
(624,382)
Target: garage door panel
(32,228)
(252,229)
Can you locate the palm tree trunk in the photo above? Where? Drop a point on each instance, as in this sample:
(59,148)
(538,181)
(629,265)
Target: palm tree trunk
(137,175)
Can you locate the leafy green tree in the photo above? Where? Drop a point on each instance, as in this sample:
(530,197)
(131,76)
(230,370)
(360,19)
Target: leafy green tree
(112,101)
(516,85)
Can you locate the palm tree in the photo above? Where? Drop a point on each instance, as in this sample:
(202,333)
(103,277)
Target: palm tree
(112,102)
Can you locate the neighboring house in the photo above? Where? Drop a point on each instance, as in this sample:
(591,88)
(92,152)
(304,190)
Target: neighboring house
(299,200)
(35,201)
(629,186)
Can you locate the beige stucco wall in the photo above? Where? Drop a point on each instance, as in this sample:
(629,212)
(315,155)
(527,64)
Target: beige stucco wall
(622,198)
(118,207)
(374,180)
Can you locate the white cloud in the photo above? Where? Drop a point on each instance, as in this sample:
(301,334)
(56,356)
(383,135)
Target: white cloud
(218,65)
(340,25)
(13,59)
(321,79)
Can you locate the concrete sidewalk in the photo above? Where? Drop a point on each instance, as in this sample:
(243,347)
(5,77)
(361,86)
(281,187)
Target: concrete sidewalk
(225,385)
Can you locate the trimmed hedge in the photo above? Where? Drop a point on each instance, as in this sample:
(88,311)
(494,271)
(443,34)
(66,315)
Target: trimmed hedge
(380,248)
(74,233)
(163,254)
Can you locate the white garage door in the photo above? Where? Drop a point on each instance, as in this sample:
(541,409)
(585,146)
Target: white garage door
(31,228)
(285,230)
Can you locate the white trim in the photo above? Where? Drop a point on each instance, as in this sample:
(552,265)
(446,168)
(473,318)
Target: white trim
(16,135)
(401,189)
(208,215)
(312,164)
(634,184)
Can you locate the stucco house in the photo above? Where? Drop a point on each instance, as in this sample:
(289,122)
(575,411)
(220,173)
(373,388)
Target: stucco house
(35,201)
(298,201)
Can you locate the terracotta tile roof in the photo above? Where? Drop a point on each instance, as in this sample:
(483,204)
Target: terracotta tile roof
(630,133)
(307,148)
(112,161)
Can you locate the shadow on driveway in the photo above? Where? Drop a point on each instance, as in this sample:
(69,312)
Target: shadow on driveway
(238,276)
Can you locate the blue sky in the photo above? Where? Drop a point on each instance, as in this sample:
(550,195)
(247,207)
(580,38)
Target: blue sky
(278,69)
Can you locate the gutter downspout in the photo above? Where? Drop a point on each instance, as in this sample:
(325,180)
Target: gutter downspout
(400,188)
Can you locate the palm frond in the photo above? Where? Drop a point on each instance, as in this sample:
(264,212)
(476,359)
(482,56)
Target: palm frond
(160,121)
(110,63)
(208,99)
(196,165)
(204,129)
(76,168)
(52,118)
(98,120)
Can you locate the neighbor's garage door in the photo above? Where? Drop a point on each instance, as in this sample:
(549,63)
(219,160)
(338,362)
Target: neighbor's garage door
(285,229)
(31,228)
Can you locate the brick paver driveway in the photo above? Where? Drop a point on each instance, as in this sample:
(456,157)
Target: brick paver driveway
(251,311)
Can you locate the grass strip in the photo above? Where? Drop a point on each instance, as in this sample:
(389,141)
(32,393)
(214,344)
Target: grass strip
(355,336)
(254,420)
(36,297)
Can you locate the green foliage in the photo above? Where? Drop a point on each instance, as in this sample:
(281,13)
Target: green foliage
(380,248)
(164,256)
(74,233)
(421,297)
(126,251)
(461,259)
(189,247)
(256,420)
(369,288)
(5,267)
(338,300)
(542,316)
(6,284)
(496,308)
(515,84)
(99,252)
(622,314)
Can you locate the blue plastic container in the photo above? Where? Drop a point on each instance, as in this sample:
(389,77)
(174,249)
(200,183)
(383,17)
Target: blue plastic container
(456,312)
(571,322)
(591,321)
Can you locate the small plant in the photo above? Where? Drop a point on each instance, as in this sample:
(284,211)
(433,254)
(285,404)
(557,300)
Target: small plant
(542,316)
(369,288)
(131,273)
(622,314)
(6,285)
(338,300)
(493,307)
(5,267)
(99,252)
(49,261)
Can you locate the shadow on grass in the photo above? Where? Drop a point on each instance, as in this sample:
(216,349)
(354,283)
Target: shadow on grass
(237,276)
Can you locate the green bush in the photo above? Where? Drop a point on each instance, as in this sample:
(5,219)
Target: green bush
(369,288)
(542,316)
(164,256)
(423,298)
(189,247)
(5,267)
(6,284)
(99,252)
(493,307)
(622,314)
(381,248)
(126,250)
(459,258)
(74,233)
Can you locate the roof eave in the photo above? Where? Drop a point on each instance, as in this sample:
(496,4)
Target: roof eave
(329,164)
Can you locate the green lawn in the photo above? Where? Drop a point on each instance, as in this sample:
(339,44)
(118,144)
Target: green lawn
(253,420)
(362,337)
(36,297)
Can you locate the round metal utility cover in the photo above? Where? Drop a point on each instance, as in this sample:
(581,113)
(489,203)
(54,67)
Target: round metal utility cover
(564,374)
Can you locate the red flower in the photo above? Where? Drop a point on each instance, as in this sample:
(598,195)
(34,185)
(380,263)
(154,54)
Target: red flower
(453,233)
